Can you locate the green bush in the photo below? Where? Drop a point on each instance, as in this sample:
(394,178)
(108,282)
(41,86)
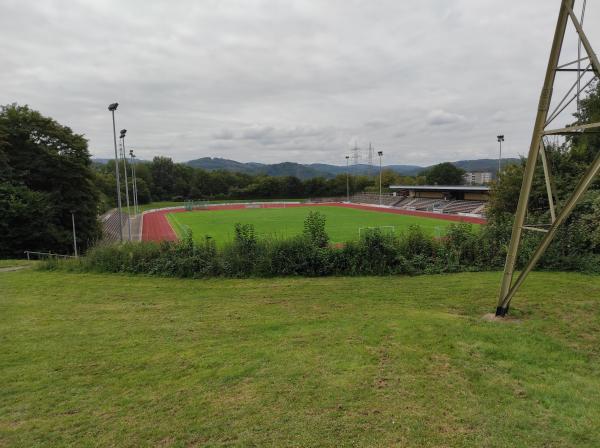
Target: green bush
(314,229)
(463,248)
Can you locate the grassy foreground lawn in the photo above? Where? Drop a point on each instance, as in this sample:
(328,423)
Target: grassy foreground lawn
(99,360)
(342,223)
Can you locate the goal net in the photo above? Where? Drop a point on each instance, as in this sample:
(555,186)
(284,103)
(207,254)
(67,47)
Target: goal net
(196,205)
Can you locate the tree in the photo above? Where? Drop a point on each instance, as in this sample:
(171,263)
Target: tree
(47,175)
(162,170)
(444,174)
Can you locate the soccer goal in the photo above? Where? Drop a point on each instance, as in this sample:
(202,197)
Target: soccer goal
(195,205)
(391,230)
(202,205)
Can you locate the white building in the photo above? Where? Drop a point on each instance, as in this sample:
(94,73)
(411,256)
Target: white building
(478,178)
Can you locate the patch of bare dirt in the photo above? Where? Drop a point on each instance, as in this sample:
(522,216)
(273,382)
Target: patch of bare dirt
(491,317)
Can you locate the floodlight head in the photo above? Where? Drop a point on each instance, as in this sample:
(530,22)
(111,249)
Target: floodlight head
(347,157)
(379,153)
(131,152)
(500,138)
(123,132)
(112,107)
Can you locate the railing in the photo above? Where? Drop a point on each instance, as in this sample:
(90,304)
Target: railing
(46,254)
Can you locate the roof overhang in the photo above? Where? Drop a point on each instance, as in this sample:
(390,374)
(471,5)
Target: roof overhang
(441,188)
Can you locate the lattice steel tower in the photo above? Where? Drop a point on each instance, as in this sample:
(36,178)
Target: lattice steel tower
(355,154)
(370,160)
(584,65)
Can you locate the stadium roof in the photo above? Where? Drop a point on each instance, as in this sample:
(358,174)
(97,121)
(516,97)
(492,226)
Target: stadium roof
(441,187)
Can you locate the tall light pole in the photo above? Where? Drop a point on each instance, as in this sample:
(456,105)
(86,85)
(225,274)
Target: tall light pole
(500,140)
(380,154)
(347,179)
(135,200)
(112,107)
(74,235)
(123,132)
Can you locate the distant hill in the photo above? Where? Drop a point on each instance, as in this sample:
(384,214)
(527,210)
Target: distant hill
(308,171)
(302,171)
(276,169)
(480,165)
(363,169)
(213,164)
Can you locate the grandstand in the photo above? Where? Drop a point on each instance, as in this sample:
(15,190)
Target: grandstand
(454,199)
(373,198)
(451,199)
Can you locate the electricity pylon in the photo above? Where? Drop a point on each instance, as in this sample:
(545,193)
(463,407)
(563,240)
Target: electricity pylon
(536,150)
(370,159)
(355,154)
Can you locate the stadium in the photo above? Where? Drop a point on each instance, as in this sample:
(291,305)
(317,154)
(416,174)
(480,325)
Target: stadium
(431,207)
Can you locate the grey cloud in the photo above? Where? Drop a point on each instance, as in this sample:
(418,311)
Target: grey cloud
(265,80)
(223,134)
(440,117)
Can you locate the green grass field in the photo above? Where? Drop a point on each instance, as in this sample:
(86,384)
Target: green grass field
(342,223)
(107,360)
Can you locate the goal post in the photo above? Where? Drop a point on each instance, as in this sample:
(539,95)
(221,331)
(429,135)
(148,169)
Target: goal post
(195,205)
(202,205)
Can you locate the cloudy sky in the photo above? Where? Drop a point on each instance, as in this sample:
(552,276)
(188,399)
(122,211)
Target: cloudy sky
(424,81)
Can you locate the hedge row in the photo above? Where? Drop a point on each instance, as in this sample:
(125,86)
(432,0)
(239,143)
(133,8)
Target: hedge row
(463,248)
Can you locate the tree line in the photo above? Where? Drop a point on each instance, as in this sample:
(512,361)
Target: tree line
(164,180)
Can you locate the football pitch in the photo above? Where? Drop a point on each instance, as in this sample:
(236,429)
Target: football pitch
(343,224)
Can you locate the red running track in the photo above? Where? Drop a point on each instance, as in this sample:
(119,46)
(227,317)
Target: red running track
(156,227)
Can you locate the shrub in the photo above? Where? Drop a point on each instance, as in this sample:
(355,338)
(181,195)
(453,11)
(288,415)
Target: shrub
(240,256)
(314,229)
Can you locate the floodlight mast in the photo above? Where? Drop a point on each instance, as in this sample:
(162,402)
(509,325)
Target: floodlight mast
(123,132)
(380,154)
(112,108)
(347,179)
(500,140)
(134,180)
(536,149)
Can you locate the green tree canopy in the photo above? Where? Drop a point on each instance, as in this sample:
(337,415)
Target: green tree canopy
(444,174)
(46,175)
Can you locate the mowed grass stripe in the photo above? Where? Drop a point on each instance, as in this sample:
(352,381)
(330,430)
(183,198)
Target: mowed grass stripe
(342,223)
